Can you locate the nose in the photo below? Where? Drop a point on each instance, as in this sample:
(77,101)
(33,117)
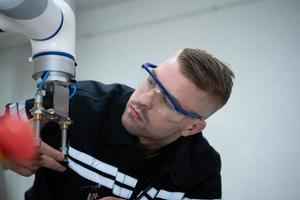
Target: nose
(146,99)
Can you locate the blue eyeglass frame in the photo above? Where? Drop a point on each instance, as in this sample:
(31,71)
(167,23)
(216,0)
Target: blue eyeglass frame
(174,103)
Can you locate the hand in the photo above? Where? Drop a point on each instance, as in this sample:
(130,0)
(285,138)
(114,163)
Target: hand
(48,158)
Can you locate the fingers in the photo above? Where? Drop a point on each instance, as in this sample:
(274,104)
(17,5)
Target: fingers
(50,158)
(51,163)
(51,152)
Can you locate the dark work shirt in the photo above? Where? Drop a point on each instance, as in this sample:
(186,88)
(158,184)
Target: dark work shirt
(102,153)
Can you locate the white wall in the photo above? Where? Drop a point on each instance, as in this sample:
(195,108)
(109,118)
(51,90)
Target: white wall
(256,133)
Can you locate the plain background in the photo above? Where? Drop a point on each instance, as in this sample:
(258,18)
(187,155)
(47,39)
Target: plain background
(256,133)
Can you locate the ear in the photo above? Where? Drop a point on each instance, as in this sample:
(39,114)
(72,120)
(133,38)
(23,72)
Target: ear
(193,128)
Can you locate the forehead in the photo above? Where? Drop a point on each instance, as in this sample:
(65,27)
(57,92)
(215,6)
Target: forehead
(180,87)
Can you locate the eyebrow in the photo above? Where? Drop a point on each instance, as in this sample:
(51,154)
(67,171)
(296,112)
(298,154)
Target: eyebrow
(154,73)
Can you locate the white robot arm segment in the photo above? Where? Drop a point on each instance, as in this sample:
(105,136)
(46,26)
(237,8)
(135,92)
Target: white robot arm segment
(50,26)
(28,17)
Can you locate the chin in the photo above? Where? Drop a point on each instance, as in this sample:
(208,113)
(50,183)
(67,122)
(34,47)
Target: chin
(130,125)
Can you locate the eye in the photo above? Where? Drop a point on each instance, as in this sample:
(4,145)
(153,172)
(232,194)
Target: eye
(150,82)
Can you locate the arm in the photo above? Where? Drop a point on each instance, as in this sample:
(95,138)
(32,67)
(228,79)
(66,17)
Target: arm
(47,157)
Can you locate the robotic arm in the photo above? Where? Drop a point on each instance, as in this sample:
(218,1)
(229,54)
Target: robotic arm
(50,27)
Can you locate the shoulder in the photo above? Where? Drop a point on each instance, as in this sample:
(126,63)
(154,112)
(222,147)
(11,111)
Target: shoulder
(95,97)
(203,152)
(97,90)
(194,161)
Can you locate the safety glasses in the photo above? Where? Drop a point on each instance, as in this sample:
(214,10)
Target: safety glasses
(168,107)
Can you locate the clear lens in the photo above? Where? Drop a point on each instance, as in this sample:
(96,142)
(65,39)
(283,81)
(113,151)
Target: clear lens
(165,108)
(160,102)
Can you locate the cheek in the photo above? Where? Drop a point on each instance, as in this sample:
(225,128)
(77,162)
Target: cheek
(156,121)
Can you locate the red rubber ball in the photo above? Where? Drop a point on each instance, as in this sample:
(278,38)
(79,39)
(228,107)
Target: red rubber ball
(17,139)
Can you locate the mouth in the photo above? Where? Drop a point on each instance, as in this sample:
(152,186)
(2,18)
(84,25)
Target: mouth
(135,114)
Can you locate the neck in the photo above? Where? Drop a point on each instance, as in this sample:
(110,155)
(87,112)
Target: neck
(151,148)
(150,145)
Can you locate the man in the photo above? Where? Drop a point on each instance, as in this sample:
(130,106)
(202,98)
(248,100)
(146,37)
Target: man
(142,144)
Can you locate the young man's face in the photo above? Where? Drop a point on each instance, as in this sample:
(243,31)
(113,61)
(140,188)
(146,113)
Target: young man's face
(143,117)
